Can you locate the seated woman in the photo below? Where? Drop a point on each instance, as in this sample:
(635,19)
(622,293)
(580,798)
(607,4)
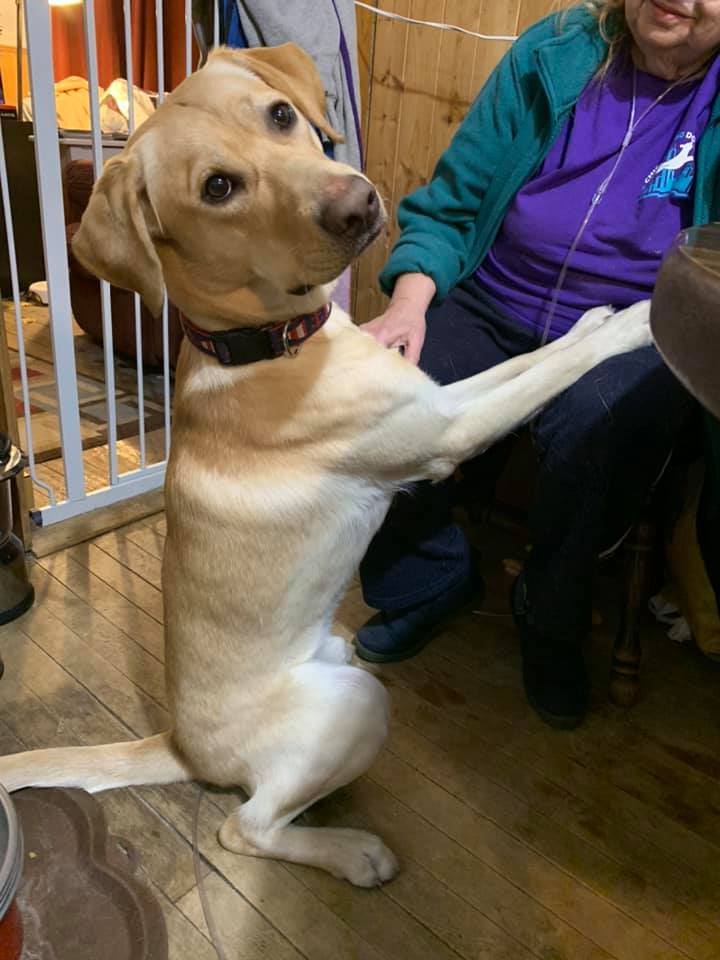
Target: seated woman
(593,143)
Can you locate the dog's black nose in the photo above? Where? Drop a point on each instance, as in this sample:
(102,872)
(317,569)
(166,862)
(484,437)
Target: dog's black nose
(351,209)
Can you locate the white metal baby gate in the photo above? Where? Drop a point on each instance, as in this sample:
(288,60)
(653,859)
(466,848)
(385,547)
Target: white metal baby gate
(74,496)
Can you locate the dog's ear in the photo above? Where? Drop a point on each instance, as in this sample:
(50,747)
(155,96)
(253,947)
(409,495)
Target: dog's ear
(288,69)
(114,240)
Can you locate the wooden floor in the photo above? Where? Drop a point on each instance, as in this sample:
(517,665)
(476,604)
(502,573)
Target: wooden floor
(516,842)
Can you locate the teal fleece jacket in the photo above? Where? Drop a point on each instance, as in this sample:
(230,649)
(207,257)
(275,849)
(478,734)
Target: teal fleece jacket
(449,225)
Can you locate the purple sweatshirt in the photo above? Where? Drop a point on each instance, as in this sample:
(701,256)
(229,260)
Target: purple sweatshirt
(647,202)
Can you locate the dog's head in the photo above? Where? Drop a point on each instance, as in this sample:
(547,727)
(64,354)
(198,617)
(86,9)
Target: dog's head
(225,194)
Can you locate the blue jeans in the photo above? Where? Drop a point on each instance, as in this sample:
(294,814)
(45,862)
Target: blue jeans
(600,446)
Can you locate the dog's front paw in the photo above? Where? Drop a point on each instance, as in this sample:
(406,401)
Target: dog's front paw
(592,320)
(631,327)
(362,858)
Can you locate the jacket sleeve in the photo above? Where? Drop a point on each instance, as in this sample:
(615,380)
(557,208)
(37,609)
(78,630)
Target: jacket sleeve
(438,222)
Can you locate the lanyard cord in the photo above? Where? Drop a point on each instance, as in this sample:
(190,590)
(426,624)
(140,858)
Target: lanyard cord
(597,197)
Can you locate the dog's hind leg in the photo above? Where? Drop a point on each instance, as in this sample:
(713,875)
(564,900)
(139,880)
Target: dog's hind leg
(152,760)
(330,733)
(334,649)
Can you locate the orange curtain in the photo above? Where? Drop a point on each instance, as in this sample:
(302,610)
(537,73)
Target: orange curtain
(145,43)
(69,44)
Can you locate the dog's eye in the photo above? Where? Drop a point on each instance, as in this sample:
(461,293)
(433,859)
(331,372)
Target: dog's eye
(217,187)
(282,115)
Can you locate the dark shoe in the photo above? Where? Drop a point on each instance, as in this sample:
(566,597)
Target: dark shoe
(556,684)
(395,635)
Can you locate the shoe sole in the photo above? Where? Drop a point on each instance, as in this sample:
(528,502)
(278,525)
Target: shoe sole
(371,656)
(555,720)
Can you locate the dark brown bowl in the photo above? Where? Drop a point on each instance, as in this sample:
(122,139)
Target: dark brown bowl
(685,313)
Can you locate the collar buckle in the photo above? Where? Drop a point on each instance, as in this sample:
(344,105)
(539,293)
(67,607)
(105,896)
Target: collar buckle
(290,349)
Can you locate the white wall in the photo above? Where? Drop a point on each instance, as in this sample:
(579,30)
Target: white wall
(7,23)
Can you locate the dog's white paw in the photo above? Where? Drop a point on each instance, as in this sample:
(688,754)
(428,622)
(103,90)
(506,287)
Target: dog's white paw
(362,858)
(630,327)
(592,320)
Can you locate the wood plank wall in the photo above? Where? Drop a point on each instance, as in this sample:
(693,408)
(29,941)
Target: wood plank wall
(416,86)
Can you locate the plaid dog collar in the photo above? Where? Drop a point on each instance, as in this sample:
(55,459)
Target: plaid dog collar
(243,345)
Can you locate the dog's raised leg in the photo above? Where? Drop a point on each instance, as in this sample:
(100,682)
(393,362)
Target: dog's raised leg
(591,321)
(332,727)
(477,421)
(428,434)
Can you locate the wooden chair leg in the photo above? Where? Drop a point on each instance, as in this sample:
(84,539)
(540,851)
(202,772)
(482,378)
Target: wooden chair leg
(625,673)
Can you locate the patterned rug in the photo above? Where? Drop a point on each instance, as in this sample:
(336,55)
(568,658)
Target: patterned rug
(91,386)
(93,410)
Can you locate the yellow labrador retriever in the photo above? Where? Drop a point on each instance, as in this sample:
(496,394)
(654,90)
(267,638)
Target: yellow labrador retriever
(292,431)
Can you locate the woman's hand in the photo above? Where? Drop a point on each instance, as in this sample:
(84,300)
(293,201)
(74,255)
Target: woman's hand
(402,325)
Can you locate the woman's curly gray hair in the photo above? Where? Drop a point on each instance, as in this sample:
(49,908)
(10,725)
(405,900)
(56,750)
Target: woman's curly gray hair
(612,24)
(610,15)
(614,29)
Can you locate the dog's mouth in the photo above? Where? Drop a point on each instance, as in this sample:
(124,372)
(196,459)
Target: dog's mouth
(372,235)
(360,245)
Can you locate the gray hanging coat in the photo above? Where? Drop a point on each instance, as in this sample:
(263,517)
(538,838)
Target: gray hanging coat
(314,25)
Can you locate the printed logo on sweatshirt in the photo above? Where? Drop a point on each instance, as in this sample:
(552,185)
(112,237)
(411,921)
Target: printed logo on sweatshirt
(674,176)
